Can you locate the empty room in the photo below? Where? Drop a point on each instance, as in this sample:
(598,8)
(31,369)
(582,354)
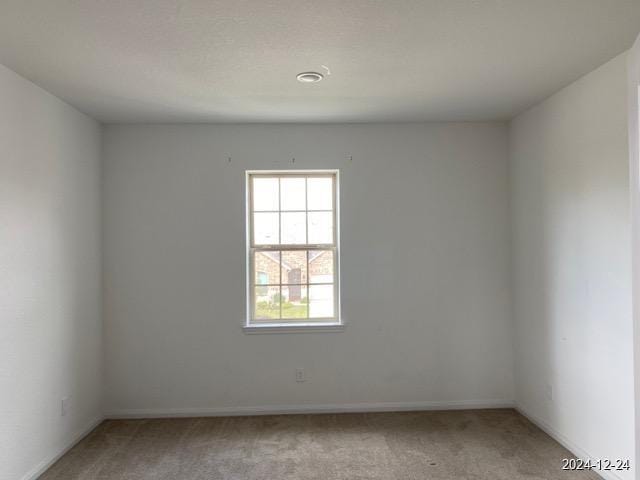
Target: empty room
(319,239)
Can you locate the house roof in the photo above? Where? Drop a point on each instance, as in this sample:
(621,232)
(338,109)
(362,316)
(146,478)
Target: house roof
(274,256)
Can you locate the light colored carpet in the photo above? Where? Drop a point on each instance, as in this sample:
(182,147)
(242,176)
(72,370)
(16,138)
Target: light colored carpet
(443,445)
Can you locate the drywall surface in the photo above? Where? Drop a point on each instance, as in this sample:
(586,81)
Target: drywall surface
(572,264)
(50,340)
(425,292)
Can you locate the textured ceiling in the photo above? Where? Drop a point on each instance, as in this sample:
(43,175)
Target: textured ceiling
(236,60)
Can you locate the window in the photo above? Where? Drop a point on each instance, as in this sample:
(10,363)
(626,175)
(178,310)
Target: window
(292,254)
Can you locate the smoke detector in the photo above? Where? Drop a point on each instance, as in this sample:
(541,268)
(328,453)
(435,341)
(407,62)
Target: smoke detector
(309,77)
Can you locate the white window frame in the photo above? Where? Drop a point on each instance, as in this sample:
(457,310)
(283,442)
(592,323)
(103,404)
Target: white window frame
(292,326)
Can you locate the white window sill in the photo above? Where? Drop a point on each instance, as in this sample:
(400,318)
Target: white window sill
(314,327)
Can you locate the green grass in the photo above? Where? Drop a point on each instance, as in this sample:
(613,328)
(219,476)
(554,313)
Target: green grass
(289,310)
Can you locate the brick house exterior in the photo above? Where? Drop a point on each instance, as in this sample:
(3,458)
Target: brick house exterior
(294,271)
(321,266)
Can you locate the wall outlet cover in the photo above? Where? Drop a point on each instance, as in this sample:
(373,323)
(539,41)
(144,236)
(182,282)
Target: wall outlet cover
(64,406)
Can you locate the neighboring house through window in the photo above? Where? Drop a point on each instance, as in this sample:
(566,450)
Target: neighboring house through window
(292,248)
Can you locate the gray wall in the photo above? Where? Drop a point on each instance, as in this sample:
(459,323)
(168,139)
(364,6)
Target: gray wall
(424,268)
(50,342)
(572,264)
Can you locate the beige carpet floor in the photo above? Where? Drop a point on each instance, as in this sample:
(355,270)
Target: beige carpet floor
(444,445)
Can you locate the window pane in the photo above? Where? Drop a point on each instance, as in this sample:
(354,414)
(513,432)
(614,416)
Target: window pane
(265,194)
(321,301)
(320,266)
(294,267)
(267,302)
(266,266)
(293,228)
(321,227)
(320,193)
(294,302)
(292,193)
(265,228)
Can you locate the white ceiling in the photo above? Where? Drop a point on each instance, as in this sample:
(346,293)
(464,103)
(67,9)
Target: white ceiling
(236,60)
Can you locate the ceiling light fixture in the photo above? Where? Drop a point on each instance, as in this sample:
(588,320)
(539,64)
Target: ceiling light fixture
(309,77)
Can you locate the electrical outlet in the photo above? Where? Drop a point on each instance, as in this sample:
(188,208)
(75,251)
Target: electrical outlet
(549,392)
(64,406)
(300,375)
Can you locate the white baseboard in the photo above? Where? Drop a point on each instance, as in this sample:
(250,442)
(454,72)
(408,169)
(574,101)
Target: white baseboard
(301,409)
(42,467)
(566,443)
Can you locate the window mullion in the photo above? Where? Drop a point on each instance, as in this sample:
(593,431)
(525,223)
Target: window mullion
(308,289)
(279,211)
(297,246)
(306,234)
(280,281)
(280,242)
(306,210)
